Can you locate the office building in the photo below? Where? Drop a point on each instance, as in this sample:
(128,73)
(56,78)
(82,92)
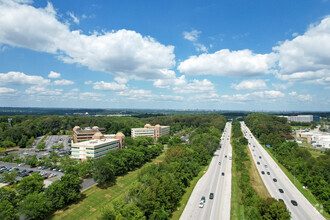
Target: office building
(97,147)
(151,131)
(84,134)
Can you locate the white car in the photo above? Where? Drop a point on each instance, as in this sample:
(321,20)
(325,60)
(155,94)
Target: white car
(201,204)
(21,164)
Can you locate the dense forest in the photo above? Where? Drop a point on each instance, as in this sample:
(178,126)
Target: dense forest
(311,172)
(255,207)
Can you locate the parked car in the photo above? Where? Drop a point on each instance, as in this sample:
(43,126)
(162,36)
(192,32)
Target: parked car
(21,164)
(32,166)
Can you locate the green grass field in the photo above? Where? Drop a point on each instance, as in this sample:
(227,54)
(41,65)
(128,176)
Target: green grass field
(95,198)
(236,209)
(176,215)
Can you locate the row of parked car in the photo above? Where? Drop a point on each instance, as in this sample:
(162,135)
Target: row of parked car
(24,172)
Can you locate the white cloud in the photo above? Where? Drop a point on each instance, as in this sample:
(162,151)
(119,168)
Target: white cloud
(18,78)
(229,63)
(250,85)
(136,94)
(305,98)
(63,82)
(293,93)
(306,57)
(54,75)
(171,80)
(270,95)
(200,47)
(109,86)
(91,96)
(74,18)
(169,98)
(88,82)
(192,35)
(282,86)
(123,53)
(4,90)
(75,90)
(43,91)
(196,86)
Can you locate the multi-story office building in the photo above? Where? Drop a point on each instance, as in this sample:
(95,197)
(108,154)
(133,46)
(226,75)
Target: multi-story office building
(151,131)
(97,147)
(84,134)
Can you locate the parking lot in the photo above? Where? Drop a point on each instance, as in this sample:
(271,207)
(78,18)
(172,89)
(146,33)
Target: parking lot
(55,140)
(26,170)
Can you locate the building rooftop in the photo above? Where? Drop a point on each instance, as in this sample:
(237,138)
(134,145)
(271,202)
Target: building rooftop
(95,142)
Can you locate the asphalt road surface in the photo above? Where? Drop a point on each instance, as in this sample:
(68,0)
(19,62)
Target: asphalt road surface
(213,182)
(304,209)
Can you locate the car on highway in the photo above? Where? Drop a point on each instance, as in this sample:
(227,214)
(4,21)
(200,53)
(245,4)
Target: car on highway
(294,202)
(201,204)
(281,190)
(268,173)
(222,173)
(266,166)
(274,179)
(259,157)
(262,172)
(211,196)
(258,163)
(280,200)
(203,199)
(219,163)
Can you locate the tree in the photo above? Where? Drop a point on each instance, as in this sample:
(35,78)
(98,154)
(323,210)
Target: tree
(30,142)
(7,210)
(9,177)
(273,209)
(163,139)
(2,150)
(41,146)
(23,141)
(84,169)
(30,184)
(64,191)
(35,206)
(103,171)
(8,144)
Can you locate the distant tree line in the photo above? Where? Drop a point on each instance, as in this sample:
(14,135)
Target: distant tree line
(310,171)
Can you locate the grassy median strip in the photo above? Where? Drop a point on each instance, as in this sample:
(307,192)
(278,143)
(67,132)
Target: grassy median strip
(95,198)
(236,209)
(176,215)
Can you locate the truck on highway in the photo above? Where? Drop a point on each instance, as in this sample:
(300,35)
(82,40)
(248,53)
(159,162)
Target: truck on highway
(229,156)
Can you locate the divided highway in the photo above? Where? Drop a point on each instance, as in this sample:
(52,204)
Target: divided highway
(277,183)
(216,180)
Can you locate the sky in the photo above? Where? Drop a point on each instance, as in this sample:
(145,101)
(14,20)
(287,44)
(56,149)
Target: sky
(252,55)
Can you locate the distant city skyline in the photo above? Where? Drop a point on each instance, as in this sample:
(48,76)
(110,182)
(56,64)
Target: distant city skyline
(222,55)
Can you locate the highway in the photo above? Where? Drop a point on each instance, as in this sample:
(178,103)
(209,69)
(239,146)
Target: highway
(213,182)
(304,209)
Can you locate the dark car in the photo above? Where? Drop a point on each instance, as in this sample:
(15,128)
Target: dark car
(258,163)
(32,166)
(225,156)
(262,172)
(30,171)
(274,179)
(260,157)
(222,173)
(268,173)
(211,196)
(294,202)
(281,190)
(203,199)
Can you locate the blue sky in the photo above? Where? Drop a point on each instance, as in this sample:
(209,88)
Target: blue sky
(225,55)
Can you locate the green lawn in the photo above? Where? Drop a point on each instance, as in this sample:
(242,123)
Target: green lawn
(96,198)
(176,215)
